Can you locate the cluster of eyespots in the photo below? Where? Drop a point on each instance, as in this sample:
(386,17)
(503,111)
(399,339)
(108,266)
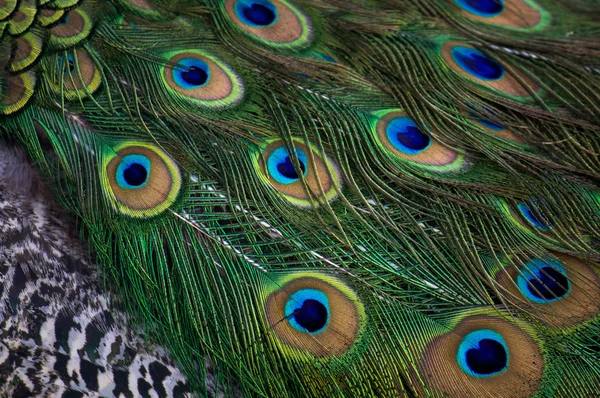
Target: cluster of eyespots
(483,353)
(276,23)
(402,139)
(531,214)
(479,67)
(314,313)
(301,174)
(512,14)
(480,353)
(139,179)
(543,281)
(201,79)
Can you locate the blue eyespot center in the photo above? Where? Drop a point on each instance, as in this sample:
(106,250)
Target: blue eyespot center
(488,358)
(286,168)
(308,310)
(490,125)
(191,73)
(63,20)
(477,63)
(543,281)
(413,138)
(483,8)
(135,174)
(550,285)
(195,76)
(312,315)
(406,137)
(534,217)
(70,67)
(256,13)
(483,353)
(133,171)
(326,58)
(282,169)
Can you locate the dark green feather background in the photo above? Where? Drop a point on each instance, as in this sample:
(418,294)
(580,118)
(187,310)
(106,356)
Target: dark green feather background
(329,198)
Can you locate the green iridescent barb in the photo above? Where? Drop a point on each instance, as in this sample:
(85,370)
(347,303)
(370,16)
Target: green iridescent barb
(329,198)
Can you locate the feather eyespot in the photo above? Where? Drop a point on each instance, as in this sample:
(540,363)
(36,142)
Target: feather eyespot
(315,178)
(48,16)
(313,313)
(480,68)
(77,75)
(481,355)
(26,51)
(15,91)
(202,79)
(401,138)
(70,29)
(273,22)
(512,14)
(561,291)
(140,180)
(22,19)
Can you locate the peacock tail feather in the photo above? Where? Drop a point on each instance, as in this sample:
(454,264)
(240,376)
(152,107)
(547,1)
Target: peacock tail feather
(329,198)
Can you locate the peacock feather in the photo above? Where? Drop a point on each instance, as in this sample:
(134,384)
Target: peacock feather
(326,198)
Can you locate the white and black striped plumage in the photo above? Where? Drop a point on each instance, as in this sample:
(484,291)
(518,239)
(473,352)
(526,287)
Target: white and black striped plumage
(60,333)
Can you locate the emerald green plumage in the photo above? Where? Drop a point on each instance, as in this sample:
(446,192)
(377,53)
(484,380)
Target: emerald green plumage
(330,198)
